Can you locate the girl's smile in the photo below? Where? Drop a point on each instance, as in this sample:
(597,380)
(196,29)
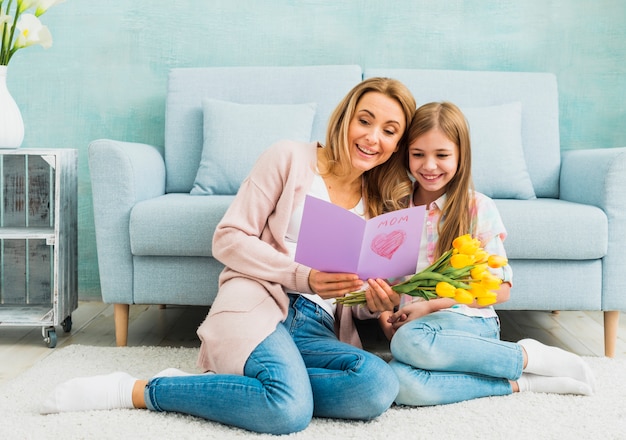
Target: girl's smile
(433,162)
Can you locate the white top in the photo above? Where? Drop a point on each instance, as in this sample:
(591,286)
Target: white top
(318,189)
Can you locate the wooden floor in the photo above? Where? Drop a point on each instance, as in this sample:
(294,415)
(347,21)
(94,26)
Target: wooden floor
(175,326)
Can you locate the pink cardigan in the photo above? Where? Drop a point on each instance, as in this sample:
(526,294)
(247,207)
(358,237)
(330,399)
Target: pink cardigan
(249,241)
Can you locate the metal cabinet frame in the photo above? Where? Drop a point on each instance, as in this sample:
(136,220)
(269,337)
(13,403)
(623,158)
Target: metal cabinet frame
(38,239)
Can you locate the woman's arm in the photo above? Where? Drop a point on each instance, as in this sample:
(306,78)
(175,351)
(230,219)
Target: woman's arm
(249,239)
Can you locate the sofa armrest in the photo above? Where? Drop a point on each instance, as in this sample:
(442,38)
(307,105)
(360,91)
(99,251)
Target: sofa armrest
(598,177)
(122,174)
(594,177)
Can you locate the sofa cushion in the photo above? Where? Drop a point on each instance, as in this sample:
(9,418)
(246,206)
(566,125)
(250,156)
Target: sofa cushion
(236,134)
(555,285)
(187,86)
(498,163)
(176,224)
(551,229)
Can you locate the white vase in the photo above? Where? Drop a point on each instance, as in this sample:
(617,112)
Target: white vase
(11,123)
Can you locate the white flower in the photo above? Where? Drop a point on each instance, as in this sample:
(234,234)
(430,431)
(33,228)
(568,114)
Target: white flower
(20,29)
(32,32)
(23,5)
(4,18)
(44,5)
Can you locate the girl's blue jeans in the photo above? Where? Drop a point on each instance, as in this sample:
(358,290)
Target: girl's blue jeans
(446,357)
(299,371)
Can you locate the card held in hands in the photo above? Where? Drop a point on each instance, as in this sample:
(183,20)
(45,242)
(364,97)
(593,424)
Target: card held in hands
(333,239)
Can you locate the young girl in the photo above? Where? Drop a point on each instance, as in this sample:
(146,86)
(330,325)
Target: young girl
(270,334)
(445,352)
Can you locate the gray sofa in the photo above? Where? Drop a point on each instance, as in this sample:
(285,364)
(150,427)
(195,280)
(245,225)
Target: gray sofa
(156,209)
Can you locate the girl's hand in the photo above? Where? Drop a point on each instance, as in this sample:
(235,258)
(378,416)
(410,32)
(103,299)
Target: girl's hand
(332,285)
(385,325)
(380,296)
(418,309)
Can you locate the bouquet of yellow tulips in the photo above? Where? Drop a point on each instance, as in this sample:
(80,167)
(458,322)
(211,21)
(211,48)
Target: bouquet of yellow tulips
(461,273)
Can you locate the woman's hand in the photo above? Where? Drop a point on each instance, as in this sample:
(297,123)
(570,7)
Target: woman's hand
(332,285)
(380,296)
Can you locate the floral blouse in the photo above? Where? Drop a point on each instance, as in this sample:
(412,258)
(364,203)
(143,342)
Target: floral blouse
(486,225)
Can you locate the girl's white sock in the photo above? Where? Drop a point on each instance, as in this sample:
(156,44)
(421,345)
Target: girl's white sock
(109,391)
(545,360)
(551,384)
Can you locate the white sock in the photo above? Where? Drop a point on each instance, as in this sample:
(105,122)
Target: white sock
(545,360)
(551,384)
(175,372)
(172,372)
(88,393)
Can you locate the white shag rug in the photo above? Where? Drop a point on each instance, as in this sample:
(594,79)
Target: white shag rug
(522,415)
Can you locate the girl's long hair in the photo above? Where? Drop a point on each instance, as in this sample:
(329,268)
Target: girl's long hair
(456,218)
(386,187)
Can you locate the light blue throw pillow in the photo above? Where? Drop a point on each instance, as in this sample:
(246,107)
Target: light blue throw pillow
(498,164)
(236,134)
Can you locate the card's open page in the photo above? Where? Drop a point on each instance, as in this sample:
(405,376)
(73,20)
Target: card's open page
(333,239)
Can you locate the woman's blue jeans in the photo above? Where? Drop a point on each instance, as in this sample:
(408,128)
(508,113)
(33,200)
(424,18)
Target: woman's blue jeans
(299,371)
(448,357)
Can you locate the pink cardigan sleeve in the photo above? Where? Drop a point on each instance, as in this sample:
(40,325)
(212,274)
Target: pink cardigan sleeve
(250,238)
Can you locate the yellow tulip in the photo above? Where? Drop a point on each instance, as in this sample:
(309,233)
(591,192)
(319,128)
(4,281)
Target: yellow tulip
(481,255)
(465,244)
(461,241)
(486,300)
(478,271)
(445,290)
(490,281)
(470,247)
(460,261)
(496,261)
(478,290)
(463,296)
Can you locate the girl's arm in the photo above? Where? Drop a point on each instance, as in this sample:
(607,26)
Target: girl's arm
(391,321)
(418,309)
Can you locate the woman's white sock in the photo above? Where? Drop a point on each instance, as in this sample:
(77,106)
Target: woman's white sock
(545,360)
(109,391)
(551,384)
(175,372)
(172,372)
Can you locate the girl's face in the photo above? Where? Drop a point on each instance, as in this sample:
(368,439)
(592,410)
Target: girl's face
(375,130)
(433,162)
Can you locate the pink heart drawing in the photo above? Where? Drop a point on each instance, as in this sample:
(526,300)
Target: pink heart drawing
(386,245)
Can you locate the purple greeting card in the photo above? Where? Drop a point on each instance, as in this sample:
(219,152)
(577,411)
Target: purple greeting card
(333,239)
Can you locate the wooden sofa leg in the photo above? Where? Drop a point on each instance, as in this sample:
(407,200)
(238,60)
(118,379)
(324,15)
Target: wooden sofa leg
(120,315)
(611,324)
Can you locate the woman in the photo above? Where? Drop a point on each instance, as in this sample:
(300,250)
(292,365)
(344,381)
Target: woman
(279,344)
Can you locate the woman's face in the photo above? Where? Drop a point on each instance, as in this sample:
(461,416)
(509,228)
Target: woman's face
(433,162)
(375,130)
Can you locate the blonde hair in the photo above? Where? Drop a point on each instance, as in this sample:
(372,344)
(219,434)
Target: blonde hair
(456,218)
(387,186)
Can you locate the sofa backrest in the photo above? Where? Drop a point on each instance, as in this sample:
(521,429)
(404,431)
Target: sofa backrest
(537,93)
(187,87)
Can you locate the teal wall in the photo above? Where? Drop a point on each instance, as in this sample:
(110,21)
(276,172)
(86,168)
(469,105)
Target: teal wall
(105,75)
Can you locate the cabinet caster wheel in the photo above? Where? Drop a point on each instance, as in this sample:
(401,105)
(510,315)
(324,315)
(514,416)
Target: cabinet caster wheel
(67,324)
(50,337)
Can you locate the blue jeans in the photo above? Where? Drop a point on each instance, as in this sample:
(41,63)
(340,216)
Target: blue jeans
(299,371)
(446,357)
